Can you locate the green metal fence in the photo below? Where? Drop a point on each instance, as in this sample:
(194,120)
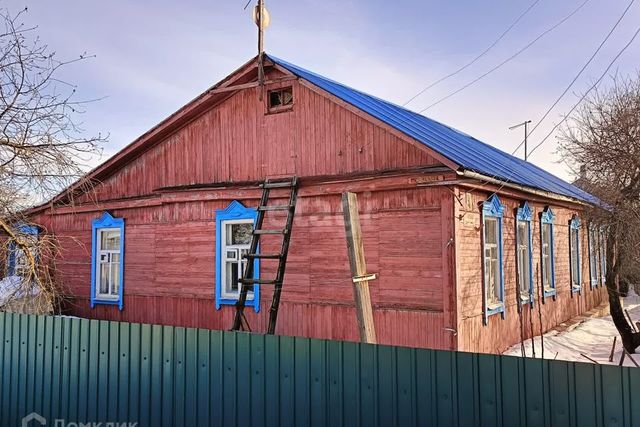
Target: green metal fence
(84,371)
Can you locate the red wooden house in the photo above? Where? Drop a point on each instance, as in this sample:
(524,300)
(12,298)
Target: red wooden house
(465,238)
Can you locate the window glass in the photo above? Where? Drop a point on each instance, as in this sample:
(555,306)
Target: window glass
(108,265)
(239,234)
(575,258)
(492,261)
(547,261)
(595,256)
(524,259)
(603,256)
(280,98)
(110,240)
(105,277)
(21,258)
(237,238)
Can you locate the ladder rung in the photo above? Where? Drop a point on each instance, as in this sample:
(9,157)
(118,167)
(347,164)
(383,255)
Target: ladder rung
(280,231)
(258,281)
(275,208)
(263,256)
(281,184)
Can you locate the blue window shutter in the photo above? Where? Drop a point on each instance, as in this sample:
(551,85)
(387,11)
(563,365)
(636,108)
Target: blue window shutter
(106,221)
(492,207)
(235,210)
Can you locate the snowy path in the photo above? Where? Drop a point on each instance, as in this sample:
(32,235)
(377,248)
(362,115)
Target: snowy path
(592,337)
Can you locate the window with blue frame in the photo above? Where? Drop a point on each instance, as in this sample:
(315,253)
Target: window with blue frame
(603,255)
(492,211)
(107,260)
(547,219)
(597,255)
(574,254)
(524,247)
(234,229)
(18,261)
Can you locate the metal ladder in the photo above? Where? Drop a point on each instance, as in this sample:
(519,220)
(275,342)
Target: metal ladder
(240,321)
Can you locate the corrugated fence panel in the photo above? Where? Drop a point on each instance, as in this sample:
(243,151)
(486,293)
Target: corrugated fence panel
(84,371)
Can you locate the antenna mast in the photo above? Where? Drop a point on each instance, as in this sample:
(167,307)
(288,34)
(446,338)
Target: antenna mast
(526,135)
(261,17)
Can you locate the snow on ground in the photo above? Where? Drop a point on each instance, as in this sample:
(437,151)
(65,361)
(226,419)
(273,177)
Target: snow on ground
(10,288)
(592,337)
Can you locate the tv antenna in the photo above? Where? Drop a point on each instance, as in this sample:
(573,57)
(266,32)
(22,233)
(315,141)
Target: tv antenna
(526,134)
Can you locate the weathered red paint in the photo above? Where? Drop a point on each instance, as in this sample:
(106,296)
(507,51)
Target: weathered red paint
(169,183)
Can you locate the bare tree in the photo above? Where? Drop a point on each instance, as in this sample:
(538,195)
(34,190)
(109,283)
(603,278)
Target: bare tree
(603,138)
(42,150)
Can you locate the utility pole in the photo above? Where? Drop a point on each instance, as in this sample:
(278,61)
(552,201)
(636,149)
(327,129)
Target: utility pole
(526,134)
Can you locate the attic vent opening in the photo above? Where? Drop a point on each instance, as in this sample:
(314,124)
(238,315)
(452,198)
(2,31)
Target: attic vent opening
(280,99)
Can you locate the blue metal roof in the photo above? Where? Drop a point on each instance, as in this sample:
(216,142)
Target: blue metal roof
(462,149)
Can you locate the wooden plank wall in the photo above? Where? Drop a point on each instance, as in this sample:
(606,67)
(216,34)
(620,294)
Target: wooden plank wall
(236,141)
(499,334)
(170,232)
(170,265)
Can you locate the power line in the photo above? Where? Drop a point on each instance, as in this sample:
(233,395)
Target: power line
(544,116)
(473,61)
(562,21)
(504,181)
(588,91)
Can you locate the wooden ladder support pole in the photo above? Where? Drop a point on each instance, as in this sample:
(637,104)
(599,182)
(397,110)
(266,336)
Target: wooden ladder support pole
(355,248)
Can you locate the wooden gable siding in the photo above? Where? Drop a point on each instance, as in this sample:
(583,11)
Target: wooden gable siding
(236,141)
(499,334)
(169,273)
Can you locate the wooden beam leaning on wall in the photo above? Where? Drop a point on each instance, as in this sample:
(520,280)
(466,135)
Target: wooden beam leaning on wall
(359,276)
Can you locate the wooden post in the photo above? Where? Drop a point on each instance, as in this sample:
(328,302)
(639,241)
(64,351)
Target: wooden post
(613,349)
(359,276)
(260,9)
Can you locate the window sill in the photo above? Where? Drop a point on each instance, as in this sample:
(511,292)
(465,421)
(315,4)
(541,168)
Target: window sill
(103,301)
(232,301)
(524,300)
(278,110)
(495,309)
(576,289)
(549,293)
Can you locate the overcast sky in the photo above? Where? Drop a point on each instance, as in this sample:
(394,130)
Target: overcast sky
(151,57)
